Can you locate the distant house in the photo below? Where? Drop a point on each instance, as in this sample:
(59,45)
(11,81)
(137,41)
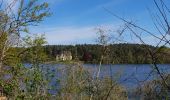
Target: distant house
(64,56)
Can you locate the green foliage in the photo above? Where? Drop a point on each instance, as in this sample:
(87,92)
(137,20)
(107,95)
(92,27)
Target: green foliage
(117,54)
(35,52)
(35,82)
(12,25)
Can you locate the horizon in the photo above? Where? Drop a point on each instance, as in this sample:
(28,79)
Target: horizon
(99,44)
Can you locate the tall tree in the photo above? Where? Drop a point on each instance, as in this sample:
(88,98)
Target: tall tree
(12,25)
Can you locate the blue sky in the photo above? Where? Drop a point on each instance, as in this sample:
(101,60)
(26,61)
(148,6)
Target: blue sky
(74,21)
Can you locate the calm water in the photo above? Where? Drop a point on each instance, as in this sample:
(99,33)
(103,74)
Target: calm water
(128,75)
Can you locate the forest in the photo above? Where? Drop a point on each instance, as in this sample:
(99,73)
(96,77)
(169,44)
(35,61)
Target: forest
(117,54)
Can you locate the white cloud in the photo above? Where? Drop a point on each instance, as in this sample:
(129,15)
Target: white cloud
(71,34)
(68,35)
(87,34)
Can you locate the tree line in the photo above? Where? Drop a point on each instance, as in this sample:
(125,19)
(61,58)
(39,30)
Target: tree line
(122,53)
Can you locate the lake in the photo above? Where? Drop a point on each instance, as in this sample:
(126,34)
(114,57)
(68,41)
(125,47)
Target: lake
(128,75)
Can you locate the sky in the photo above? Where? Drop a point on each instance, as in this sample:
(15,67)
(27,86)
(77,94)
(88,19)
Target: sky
(75,21)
